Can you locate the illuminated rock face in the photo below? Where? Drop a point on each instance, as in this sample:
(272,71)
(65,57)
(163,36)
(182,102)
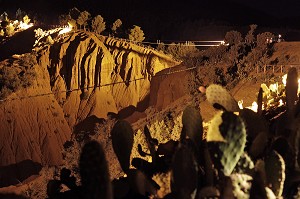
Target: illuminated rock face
(33,126)
(93,67)
(36,128)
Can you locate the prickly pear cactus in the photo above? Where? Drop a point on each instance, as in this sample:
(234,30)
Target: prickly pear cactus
(258,188)
(270,194)
(229,133)
(259,101)
(219,96)
(275,172)
(245,165)
(291,100)
(140,183)
(291,88)
(208,192)
(297,194)
(213,133)
(192,122)
(241,185)
(94,172)
(257,132)
(184,176)
(254,123)
(122,141)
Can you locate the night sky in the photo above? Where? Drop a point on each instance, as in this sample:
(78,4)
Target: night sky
(157,17)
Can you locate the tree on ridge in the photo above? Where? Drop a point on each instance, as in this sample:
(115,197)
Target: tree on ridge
(98,24)
(136,34)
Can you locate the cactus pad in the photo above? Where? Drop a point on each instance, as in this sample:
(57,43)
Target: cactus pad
(184,178)
(291,88)
(270,193)
(94,172)
(275,172)
(241,185)
(219,96)
(192,122)
(122,141)
(213,133)
(231,128)
(245,165)
(208,192)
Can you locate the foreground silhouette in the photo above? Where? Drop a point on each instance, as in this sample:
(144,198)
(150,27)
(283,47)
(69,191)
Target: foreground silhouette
(242,154)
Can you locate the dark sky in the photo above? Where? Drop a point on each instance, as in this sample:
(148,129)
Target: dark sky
(187,8)
(166,14)
(278,8)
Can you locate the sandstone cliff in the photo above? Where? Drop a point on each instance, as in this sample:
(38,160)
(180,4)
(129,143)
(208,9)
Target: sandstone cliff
(100,74)
(80,79)
(32,131)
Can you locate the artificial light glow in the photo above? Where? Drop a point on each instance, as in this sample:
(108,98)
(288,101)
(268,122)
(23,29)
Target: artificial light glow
(298,86)
(15,22)
(20,25)
(284,77)
(240,103)
(273,95)
(281,102)
(40,34)
(274,87)
(24,26)
(66,29)
(254,106)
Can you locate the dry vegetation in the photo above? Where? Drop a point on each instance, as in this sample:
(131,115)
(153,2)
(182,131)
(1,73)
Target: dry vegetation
(17,75)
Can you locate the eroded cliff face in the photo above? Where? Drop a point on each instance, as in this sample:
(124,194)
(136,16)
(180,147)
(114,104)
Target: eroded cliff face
(80,80)
(32,131)
(93,75)
(134,62)
(77,67)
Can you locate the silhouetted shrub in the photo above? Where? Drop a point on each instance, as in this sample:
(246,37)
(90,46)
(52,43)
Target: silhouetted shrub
(233,37)
(12,78)
(136,34)
(116,26)
(98,24)
(182,51)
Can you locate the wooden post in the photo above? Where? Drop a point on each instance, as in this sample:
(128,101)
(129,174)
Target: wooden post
(257,69)
(273,68)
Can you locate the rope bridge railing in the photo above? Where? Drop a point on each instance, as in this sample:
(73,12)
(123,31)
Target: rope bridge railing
(276,68)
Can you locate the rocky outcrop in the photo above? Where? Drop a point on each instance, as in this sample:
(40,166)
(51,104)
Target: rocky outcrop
(134,62)
(80,80)
(166,89)
(93,75)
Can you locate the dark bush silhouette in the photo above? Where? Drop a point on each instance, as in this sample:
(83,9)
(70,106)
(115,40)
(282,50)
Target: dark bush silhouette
(216,163)
(95,181)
